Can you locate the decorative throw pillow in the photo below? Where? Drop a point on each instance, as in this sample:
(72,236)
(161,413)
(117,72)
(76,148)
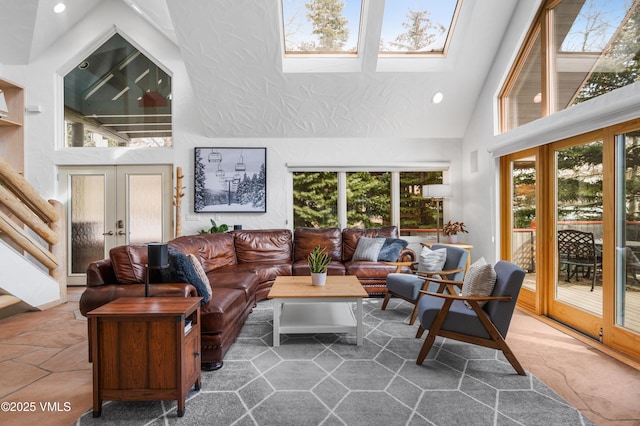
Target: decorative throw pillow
(368,249)
(197,266)
(391,249)
(180,270)
(479,280)
(432,260)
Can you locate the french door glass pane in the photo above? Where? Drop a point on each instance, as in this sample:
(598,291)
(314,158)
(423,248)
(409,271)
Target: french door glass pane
(87,220)
(368,199)
(579,208)
(523,195)
(145,208)
(315,199)
(628,236)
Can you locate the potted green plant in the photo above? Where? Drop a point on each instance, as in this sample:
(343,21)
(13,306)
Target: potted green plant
(452,229)
(318,261)
(215,228)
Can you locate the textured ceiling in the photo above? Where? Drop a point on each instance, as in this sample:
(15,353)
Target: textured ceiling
(232,53)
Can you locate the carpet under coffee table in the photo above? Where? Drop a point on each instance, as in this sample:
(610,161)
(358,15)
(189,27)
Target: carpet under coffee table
(325,379)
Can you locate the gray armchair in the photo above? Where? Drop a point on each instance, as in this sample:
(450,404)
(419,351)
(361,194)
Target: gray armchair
(447,315)
(408,286)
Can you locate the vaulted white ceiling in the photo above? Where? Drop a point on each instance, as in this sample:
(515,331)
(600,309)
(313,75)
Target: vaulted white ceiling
(233,55)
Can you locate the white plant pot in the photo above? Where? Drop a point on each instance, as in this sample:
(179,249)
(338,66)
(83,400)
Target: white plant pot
(318,278)
(453,239)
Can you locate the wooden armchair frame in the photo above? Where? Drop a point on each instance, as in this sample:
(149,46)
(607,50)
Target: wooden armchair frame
(496,340)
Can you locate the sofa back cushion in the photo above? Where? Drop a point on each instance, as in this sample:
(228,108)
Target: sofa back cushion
(129,263)
(350,237)
(305,239)
(265,245)
(213,250)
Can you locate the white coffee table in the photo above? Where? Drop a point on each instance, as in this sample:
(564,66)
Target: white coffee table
(302,308)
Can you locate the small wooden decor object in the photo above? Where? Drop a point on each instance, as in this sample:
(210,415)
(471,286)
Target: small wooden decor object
(177,200)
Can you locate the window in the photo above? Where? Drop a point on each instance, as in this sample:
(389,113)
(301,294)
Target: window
(335,27)
(412,26)
(589,48)
(315,199)
(368,198)
(117,97)
(321,26)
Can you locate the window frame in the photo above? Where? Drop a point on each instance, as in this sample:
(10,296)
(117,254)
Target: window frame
(342,171)
(541,25)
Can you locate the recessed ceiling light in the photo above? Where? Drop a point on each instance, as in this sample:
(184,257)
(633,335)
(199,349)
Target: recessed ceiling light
(59,8)
(437,98)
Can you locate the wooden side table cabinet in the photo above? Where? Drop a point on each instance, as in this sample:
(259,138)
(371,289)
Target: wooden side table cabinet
(145,349)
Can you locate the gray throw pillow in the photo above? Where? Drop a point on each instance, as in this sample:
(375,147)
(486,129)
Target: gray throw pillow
(368,249)
(197,267)
(479,280)
(432,260)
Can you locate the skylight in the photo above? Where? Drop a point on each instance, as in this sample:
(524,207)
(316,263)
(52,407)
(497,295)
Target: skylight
(417,26)
(321,26)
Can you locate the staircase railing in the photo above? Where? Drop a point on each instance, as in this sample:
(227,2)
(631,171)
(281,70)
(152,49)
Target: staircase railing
(22,206)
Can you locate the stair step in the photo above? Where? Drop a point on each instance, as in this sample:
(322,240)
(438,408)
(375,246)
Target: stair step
(7,300)
(11,305)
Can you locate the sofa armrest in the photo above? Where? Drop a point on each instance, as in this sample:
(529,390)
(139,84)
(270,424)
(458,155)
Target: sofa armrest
(94,297)
(407,255)
(100,273)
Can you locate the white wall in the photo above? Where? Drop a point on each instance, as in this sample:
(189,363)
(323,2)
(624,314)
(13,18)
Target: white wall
(42,80)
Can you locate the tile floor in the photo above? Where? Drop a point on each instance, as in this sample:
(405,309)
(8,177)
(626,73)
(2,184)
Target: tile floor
(45,372)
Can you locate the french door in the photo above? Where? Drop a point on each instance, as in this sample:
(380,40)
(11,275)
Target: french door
(108,206)
(587,185)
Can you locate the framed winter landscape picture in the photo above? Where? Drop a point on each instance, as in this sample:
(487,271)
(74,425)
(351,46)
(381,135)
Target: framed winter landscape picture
(230,180)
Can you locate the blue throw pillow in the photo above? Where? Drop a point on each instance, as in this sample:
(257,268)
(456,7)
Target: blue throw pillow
(391,249)
(181,271)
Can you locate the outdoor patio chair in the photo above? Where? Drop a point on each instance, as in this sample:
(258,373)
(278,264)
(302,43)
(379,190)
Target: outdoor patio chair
(407,286)
(577,253)
(633,264)
(448,316)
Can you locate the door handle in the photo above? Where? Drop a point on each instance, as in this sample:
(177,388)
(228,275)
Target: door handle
(108,233)
(122,233)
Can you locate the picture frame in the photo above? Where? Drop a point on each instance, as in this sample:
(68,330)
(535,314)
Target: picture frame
(230,180)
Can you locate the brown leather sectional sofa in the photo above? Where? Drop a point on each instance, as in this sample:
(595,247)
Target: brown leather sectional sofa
(241,267)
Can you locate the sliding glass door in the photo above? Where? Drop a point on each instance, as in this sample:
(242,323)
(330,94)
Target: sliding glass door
(625,332)
(576,299)
(570,216)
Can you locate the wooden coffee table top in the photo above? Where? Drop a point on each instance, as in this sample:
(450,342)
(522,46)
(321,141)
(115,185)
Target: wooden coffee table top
(300,287)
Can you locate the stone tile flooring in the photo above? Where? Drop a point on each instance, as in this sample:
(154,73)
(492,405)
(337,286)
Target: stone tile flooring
(55,370)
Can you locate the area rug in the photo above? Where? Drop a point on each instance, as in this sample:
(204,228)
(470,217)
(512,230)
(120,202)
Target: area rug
(326,379)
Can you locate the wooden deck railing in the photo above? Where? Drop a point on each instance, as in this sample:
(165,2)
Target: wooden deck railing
(22,206)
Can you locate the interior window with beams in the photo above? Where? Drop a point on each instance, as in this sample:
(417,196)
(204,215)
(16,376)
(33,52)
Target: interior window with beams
(117,97)
(368,199)
(590,48)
